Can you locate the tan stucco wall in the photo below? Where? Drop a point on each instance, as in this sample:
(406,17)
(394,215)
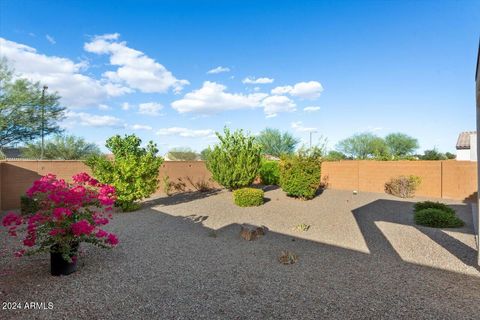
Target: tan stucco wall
(440,179)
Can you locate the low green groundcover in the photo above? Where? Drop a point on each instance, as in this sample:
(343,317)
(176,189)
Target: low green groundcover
(248,197)
(436,215)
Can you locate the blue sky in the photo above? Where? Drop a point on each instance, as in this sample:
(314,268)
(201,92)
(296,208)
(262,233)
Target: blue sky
(336,67)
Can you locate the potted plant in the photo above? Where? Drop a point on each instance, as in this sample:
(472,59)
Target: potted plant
(67,215)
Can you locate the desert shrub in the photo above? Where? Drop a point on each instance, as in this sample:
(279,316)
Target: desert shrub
(437,218)
(432,205)
(200,185)
(28,205)
(248,197)
(235,160)
(403,186)
(133,171)
(300,175)
(269,172)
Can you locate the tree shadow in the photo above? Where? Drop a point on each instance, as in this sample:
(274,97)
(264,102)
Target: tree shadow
(179,198)
(401,212)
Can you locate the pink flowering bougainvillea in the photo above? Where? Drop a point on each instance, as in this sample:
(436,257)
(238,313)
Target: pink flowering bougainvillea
(68,214)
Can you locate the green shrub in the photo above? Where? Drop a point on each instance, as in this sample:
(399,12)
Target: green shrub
(432,205)
(437,218)
(403,186)
(28,205)
(269,172)
(300,175)
(133,171)
(248,197)
(235,160)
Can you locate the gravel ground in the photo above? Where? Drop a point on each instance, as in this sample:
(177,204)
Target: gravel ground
(181,257)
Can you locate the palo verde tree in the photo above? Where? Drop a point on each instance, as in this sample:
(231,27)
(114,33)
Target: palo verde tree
(23,109)
(133,171)
(276,143)
(364,146)
(61,147)
(401,145)
(234,162)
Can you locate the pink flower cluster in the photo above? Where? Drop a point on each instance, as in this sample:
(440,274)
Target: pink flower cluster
(68,213)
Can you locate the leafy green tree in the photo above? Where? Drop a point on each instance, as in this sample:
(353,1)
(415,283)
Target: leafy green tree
(275,143)
(450,155)
(21,109)
(335,156)
(66,147)
(401,145)
(234,162)
(364,146)
(183,154)
(432,154)
(133,171)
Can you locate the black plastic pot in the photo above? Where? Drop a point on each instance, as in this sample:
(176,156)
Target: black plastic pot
(60,267)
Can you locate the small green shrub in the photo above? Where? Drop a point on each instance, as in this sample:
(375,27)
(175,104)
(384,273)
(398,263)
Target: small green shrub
(403,186)
(432,205)
(28,205)
(437,218)
(235,160)
(300,175)
(248,197)
(269,172)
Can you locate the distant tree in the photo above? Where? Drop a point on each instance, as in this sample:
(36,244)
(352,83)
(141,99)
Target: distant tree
(21,109)
(401,145)
(276,143)
(335,156)
(182,154)
(204,154)
(61,148)
(432,154)
(364,146)
(450,155)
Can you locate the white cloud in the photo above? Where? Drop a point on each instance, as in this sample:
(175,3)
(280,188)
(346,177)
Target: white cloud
(272,105)
(135,69)
(141,127)
(61,75)
(50,39)
(264,80)
(304,90)
(126,106)
(150,108)
(184,132)
(311,109)
(218,69)
(298,126)
(93,120)
(212,98)
(103,107)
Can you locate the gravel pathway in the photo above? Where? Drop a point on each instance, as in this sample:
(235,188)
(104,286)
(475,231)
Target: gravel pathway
(181,257)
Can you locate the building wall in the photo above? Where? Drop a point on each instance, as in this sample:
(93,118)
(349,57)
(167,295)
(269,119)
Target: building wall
(473,149)
(463,155)
(440,179)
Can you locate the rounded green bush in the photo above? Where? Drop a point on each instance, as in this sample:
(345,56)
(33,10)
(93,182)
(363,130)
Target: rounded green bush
(433,205)
(248,197)
(269,172)
(300,176)
(437,218)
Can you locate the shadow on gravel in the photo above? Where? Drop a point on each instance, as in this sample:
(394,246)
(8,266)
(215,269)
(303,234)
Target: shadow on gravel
(179,198)
(401,212)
